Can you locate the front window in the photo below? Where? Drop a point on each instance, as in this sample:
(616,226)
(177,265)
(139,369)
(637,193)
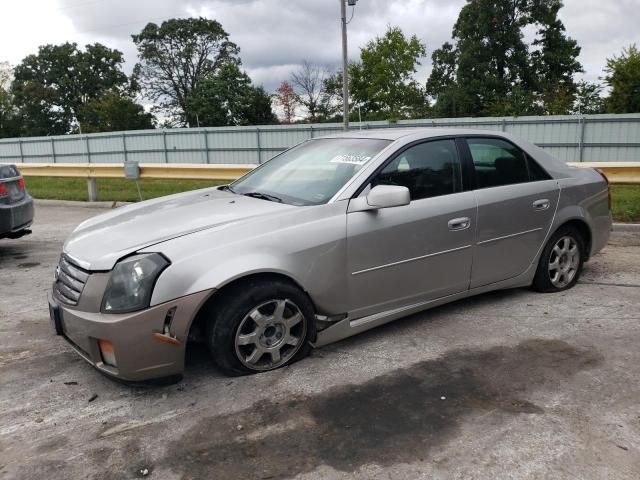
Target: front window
(311,173)
(429,169)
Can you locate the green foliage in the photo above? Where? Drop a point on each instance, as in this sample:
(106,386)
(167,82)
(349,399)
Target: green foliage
(490,70)
(623,77)
(228,98)
(52,88)
(111,189)
(114,112)
(175,57)
(9,120)
(382,82)
(588,99)
(554,59)
(330,108)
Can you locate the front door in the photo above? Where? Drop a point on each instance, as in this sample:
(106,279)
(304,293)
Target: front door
(517,201)
(404,255)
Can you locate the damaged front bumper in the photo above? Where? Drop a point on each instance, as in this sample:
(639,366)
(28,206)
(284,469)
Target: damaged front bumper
(136,346)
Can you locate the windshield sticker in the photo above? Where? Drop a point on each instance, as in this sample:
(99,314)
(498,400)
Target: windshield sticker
(350,159)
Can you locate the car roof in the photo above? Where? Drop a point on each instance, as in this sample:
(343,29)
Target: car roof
(395,133)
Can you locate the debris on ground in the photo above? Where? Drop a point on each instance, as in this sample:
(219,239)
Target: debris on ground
(93,397)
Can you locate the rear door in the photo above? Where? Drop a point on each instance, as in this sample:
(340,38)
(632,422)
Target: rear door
(517,201)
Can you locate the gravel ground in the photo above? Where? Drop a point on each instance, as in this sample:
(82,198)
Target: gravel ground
(510,384)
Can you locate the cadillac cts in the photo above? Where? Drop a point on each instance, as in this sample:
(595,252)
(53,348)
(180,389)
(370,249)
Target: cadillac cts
(330,238)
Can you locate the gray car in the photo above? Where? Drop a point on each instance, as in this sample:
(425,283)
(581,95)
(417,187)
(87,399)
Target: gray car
(328,239)
(16,205)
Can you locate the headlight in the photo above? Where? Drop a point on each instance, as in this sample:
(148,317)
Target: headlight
(131,283)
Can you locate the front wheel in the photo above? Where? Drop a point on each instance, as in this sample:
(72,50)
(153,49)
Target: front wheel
(561,261)
(261,326)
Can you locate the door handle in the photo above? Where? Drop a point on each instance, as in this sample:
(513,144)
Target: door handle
(542,204)
(459,223)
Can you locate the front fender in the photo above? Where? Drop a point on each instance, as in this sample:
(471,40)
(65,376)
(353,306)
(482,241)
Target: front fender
(309,246)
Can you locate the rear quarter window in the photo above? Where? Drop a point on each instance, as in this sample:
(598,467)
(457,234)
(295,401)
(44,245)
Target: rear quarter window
(8,171)
(497,162)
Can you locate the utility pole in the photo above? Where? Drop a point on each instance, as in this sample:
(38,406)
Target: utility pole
(345,65)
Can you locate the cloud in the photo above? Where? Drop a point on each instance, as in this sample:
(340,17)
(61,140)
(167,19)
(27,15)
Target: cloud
(275,35)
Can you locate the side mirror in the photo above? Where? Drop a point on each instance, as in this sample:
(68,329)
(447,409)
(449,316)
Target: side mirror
(382,196)
(386,196)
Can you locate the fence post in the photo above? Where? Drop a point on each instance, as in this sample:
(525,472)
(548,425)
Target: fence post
(206,145)
(86,144)
(92,190)
(258,145)
(504,124)
(124,147)
(20,148)
(164,144)
(53,149)
(311,131)
(581,144)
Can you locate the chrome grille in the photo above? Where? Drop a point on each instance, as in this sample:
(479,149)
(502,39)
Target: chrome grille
(70,281)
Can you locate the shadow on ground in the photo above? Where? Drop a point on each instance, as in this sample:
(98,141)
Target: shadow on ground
(394,418)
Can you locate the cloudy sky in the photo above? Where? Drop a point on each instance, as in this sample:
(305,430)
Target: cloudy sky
(274,35)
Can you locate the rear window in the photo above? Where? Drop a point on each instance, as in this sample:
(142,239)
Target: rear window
(8,171)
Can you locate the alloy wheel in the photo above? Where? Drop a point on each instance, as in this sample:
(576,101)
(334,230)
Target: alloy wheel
(564,261)
(270,334)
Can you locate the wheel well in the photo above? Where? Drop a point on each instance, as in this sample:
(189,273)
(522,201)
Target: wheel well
(197,328)
(585,233)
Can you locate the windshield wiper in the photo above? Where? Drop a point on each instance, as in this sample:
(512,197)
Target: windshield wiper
(228,188)
(263,196)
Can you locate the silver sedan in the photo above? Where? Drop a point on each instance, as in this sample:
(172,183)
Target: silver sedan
(330,238)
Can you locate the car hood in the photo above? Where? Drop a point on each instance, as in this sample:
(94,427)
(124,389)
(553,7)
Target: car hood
(98,243)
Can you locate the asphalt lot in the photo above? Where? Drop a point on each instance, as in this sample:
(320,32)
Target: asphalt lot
(511,384)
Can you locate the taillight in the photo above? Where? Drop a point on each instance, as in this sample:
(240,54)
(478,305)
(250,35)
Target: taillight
(608,185)
(3,190)
(21,183)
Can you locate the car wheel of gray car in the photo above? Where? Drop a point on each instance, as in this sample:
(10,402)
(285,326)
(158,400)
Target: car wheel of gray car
(561,261)
(260,326)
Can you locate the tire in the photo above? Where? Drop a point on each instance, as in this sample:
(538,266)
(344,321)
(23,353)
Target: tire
(560,265)
(260,325)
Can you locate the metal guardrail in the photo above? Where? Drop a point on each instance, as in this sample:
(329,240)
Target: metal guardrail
(185,171)
(618,173)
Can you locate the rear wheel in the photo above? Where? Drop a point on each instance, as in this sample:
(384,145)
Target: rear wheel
(260,326)
(561,261)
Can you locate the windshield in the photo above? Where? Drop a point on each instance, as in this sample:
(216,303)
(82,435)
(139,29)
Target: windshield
(311,173)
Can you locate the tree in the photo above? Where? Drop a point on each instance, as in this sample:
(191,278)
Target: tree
(310,83)
(554,59)
(52,88)
(285,97)
(175,57)
(9,121)
(228,98)
(114,112)
(588,98)
(623,77)
(490,70)
(382,82)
